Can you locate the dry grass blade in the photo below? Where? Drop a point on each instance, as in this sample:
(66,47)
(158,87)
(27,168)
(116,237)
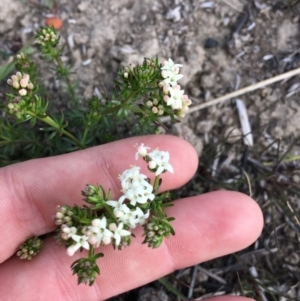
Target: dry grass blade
(245,90)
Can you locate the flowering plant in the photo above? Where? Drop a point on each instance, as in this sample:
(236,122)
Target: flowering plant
(106,221)
(144,93)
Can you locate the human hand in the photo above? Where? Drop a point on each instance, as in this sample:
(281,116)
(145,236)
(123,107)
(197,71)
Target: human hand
(207,226)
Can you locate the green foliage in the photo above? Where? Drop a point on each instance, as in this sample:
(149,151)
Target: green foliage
(30,128)
(87,269)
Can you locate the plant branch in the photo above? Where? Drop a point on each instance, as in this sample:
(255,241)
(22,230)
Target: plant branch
(48,120)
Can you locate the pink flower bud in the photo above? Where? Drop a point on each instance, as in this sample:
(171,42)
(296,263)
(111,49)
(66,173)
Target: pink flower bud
(23,92)
(92,240)
(24,81)
(65,236)
(23,256)
(59,215)
(112,227)
(19,75)
(149,103)
(15,84)
(154,110)
(63,227)
(166,89)
(152,165)
(96,222)
(30,86)
(10,106)
(184,98)
(142,150)
(175,70)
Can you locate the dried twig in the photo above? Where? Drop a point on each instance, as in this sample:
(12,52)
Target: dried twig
(193,281)
(212,275)
(245,123)
(238,6)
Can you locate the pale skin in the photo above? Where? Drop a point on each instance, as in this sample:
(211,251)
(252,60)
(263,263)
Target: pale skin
(207,226)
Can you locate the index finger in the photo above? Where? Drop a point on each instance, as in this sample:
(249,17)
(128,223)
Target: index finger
(31,190)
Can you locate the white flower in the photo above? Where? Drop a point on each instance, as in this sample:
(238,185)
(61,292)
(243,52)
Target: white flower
(129,173)
(156,153)
(118,232)
(175,99)
(172,79)
(170,66)
(170,72)
(130,219)
(140,194)
(81,242)
(165,74)
(119,208)
(98,233)
(131,178)
(141,215)
(161,159)
(135,217)
(142,151)
(136,189)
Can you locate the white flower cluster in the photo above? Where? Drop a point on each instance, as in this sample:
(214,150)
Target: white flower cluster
(157,160)
(21,82)
(174,96)
(136,190)
(97,234)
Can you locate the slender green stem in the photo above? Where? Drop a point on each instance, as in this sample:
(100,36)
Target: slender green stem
(109,211)
(91,251)
(85,135)
(117,108)
(291,159)
(171,288)
(286,152)
(5,138)
(156,184)
(67,79)
(15,141)
(48,120)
